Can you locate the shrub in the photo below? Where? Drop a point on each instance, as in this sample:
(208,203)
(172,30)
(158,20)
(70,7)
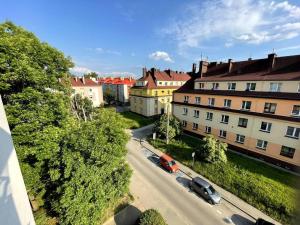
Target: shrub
(151,217)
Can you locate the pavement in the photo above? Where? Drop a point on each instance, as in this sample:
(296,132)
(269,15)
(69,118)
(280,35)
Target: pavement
(153,187)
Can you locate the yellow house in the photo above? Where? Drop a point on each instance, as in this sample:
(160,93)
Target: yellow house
(152,93)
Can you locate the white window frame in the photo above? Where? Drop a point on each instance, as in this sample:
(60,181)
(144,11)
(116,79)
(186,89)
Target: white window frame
(239,137)
(223,119)
(250,86)
(196,113)
(185,111)
(210,118)
(230,86)
(277,87)
(261,144)
(296,114)
(244,103)
(222,133)
(226,103)
(283,146)
(201,85)
(210,101)
(268,127)
(195,126)
(197,100)
(184,123)
(215,86)
(186,98)
(295,130)
(208,129)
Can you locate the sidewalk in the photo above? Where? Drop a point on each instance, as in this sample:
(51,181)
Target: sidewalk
(227,196)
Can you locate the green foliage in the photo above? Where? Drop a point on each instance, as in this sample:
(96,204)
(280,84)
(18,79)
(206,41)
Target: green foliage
(271,190)
(76,170)
(151,217)
(174,129)
(82,107)
(134,121)
(91,75)
(212,150)
(108,96)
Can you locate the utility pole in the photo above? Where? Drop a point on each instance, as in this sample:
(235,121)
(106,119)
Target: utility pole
(168,118)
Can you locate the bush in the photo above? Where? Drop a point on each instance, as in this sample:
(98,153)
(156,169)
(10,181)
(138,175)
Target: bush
(151,217)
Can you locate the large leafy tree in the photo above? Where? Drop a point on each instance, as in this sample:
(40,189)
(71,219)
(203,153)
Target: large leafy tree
(73,168)
(161,127)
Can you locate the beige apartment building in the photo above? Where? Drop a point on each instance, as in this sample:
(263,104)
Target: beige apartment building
(252,105)
(152,93)
(89,88)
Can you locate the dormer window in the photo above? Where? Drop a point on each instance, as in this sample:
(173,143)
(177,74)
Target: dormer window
(201,85)
(231,86)
(250,86)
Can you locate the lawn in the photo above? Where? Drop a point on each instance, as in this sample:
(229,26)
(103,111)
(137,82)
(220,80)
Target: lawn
(134,121)
(269,189)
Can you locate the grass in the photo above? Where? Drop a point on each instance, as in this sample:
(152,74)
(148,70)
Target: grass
(134,121)
(269,189)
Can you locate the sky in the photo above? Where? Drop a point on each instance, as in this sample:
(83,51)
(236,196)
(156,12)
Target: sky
(120,37)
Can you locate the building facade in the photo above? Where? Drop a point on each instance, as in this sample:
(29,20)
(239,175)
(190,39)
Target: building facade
(252,105)
(89,88)
(152,94)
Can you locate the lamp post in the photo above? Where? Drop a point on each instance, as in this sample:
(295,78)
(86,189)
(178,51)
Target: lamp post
(168,118)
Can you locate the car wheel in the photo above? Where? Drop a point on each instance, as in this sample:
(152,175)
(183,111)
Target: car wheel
(210,202)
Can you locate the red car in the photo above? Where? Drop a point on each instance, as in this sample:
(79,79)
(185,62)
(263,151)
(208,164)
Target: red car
(168,163)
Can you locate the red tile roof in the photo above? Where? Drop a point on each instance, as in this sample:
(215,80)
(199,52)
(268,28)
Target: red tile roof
(154,75)
(117,80)
(81,82)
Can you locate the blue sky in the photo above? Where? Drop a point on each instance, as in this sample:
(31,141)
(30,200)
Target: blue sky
(120,37)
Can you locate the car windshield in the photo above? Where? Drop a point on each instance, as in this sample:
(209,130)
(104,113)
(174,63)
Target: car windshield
(172,163)
(211,190)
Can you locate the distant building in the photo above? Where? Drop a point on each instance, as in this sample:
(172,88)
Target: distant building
(118,87)
(15,207)
(152,93)
(252,105)
(89,88)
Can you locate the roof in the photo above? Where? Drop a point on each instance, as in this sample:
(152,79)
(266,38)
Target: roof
(83,82)
(202,182)
(166,157)
(284,68)
(154,75)
(117,80)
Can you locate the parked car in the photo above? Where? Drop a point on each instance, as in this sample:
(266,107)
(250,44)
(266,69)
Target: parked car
(168,163)
(205,189)
(261,221)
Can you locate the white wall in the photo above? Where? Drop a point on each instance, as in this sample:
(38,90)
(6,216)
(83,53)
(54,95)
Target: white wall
(14,203)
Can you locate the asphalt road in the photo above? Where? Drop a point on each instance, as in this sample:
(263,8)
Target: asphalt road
(153,187)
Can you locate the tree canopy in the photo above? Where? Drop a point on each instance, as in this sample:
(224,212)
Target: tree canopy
(174,130)
(74,168)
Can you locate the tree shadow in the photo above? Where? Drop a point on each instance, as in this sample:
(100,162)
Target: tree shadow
(240,220)
(128,216)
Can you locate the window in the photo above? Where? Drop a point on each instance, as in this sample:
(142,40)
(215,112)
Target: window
(211,101)
(209,115)
(287,151)
(201,85)
(296,110)
(246,105)
(275,87)
(250,86)
(223,133)
(265,127)
(168,92)
(91,89)
(299,87)
(166,83)
(227,103)
(196,113)
(207,129)
(270,107)
(231,86)
(195,126)
(160,83)
(171,83)
(261,144)
(156,102)
(156,93)
(186,99)
(197,100)
(215,86)
(292,132)
(243,122)
(185,111)
(184,123)
(240,138)
(225,119)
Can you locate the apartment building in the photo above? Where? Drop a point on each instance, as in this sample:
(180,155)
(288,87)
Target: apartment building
(252,105)
(89,88)
(152,93)
(119,87)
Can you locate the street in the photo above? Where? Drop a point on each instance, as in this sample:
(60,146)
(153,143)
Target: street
(154,187)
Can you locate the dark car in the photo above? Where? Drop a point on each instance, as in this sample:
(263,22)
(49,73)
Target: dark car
(261,221)
(205,189)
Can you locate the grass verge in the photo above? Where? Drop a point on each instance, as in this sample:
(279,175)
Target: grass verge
(134,121)
(269,189)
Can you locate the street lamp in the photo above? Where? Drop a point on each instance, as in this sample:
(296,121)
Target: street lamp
(168,121)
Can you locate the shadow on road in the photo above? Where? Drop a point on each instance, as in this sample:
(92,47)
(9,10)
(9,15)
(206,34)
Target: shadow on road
(154,159)
(240,220)
(184,182)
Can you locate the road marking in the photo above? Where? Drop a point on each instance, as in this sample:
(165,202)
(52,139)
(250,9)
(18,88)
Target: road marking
(218,211)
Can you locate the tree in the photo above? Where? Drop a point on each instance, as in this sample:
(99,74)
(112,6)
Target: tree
(91,75)
(82,107)
(213,150)
(108,96)
(151,217)
(160,126)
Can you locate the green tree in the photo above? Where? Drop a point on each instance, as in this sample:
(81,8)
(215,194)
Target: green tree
(213,150)
(160,126)
(91,75)
(82,107)
(151,217)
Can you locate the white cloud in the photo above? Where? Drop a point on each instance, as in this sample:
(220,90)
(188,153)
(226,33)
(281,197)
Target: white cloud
(294,47)
(116,73)
(160,55)
(80,70)
(249,21)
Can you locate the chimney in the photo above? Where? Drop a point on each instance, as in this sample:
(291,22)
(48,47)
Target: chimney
(271,61)
(229,65)
(249,59)
(144,71)
(153,70)
(202,67)
(213,63)
(194,68)
(76,79)
(83,80)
